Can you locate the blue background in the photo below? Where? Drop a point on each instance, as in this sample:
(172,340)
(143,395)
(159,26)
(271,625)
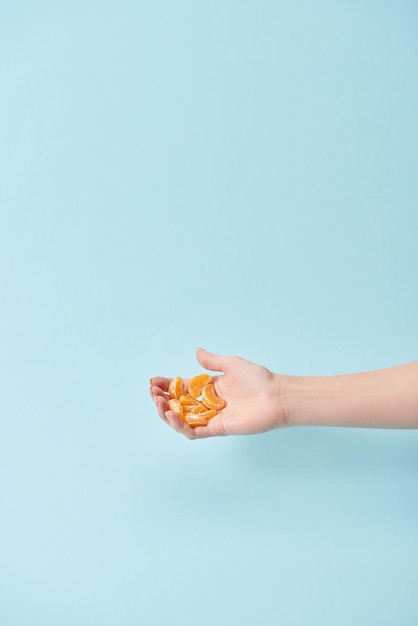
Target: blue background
(240,175)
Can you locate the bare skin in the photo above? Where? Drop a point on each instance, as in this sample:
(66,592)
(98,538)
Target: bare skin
(258,400)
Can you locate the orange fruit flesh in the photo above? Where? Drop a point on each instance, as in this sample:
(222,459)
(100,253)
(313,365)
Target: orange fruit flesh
(197,383)
(208,414)
(194,408)
(174,405)
(175,388)
(186,403)
(210,399)
(188,400)
(195,420)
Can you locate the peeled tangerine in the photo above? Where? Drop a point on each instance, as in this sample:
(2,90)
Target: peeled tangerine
(197,383)
(196,405)
(210,399)
(175,388)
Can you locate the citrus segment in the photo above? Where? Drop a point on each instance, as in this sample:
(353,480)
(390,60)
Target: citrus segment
(195,420)
(175,388)
(197,383)
(208,414)
(174,405)
(194,408)
(210,399)
(187,400)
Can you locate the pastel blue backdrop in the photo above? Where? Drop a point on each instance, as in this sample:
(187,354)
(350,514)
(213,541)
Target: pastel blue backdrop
(240,175)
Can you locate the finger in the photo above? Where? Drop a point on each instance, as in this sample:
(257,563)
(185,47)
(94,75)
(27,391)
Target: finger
(213,362)
(157,391)
(159,381)
(162,407)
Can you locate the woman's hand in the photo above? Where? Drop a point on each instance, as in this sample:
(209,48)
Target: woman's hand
(251,392)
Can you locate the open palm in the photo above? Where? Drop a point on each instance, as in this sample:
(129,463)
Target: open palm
(251,393)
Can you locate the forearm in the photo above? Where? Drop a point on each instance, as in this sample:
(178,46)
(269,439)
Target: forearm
(386,398)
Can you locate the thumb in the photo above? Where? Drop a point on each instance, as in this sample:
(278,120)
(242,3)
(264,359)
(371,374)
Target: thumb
(210,361)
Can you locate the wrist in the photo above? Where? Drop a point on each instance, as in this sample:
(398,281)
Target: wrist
(287,400)
(302,399)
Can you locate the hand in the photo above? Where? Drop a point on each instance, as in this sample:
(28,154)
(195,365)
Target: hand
(251,393)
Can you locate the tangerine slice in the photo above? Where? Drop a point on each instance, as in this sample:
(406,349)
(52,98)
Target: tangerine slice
(194,408)
(210,399)
(175,388)
(188,400)
(195,420)
(197,383)
(208,414)
(174,405)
